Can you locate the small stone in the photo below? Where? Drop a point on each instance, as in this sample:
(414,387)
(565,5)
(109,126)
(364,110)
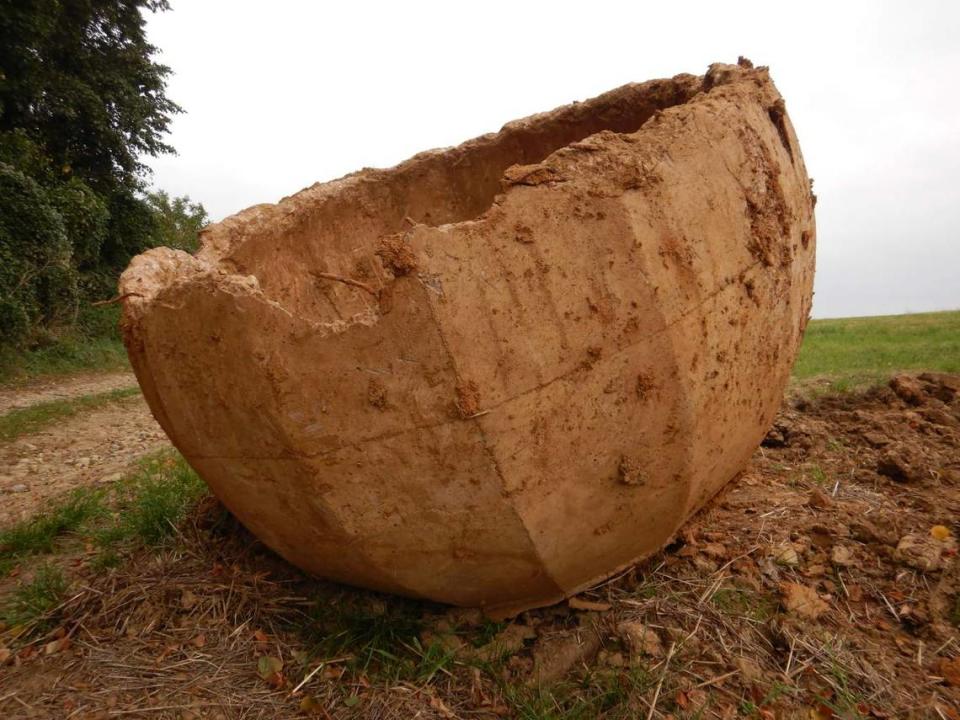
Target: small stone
(19,488)
(876,439)
(83,462)
(819,499)
(641,639)
(923,553)
(900,465)
(841,556)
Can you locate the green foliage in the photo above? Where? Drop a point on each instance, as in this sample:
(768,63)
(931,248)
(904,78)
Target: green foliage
(381,637)
(37,535)
(68,352)
(141,509)
(85,218)
(81,101)
(79,77)
(150,504)
(31,419)
(37,280)
(178,220)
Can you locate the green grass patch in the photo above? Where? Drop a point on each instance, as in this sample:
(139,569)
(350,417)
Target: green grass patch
(33,599)
(610,693)
(92,343)
(143,508)
(854,352)
(37,535)
(734,600)
(147,507)
(28,420)
(70,354)
(381,637)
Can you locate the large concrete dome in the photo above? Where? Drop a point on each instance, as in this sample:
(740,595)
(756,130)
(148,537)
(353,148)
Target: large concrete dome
(496,373)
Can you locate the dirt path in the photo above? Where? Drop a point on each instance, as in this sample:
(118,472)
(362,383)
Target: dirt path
(63,389)
(90,448)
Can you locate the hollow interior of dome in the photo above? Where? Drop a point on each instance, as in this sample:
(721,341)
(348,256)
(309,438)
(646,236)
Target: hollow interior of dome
(336,230)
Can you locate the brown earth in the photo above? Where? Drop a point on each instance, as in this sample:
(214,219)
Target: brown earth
(824,583)
(90,448)
(496,373)
(62,388)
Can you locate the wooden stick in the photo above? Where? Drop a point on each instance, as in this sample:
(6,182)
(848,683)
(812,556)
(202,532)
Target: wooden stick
(656,694)
(116,299)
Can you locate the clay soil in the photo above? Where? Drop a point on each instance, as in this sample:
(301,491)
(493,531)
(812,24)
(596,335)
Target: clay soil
(823,583)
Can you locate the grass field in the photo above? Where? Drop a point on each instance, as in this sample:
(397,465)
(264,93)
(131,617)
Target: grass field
(92,344)
(851,352)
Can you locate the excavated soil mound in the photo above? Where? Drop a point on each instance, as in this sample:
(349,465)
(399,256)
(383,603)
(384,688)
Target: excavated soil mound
(496,373)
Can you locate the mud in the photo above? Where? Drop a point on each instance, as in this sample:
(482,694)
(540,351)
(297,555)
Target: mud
(579,329)
(793,594)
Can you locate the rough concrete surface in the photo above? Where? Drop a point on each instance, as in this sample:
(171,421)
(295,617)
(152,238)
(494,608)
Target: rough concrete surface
(497,373)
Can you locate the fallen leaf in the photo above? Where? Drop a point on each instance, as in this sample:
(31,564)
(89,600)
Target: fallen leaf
(940,532)
(351,701)
(441,707)
(5,655)
(949,670)
(786,555)
(310,705)
(199,641)
(55,646)
(579,604)
(188,600)
(802,600)
(269,666)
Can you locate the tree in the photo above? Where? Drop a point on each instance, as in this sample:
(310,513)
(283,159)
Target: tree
(81,102)
(78,77)
(179,220)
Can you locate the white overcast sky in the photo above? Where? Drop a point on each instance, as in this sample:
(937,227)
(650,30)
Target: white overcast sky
(282,94)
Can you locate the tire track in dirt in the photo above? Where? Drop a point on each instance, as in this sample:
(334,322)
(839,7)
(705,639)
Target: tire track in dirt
(86,450)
